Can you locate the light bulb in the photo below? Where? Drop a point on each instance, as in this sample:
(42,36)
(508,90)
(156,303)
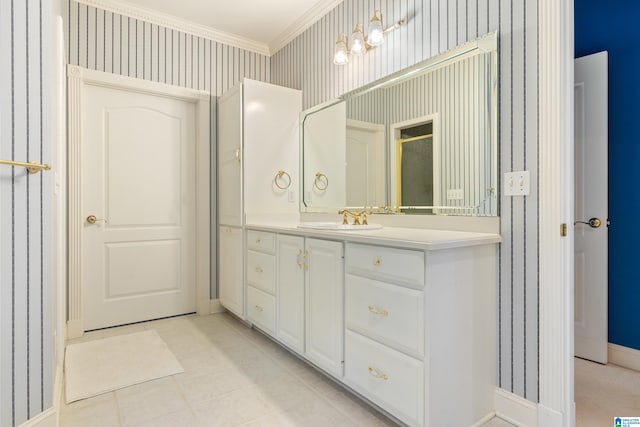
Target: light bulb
(375,37)
(340,56)
(357,41)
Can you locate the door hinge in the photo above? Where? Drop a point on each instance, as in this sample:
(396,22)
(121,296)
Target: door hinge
(563,230)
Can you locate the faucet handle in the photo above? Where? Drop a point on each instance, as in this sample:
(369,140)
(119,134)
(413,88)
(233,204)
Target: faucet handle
(364,218)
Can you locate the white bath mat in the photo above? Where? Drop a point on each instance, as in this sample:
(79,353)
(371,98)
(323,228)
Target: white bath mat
(104,365)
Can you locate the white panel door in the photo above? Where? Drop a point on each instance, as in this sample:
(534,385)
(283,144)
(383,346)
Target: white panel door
(365,170)
(231,268)
(138,181)
(324,304)
(290,292)
(591,199)
(230,157)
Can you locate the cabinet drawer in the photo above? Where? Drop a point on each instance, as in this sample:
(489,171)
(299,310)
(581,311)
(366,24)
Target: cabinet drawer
(393,315)
(261,271)
(389,264)
(261,241)
(392,380)
(261,309)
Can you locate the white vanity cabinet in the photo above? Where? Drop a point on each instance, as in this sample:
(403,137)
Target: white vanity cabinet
(309,301)
(420,331)
(409,325)
(258,172)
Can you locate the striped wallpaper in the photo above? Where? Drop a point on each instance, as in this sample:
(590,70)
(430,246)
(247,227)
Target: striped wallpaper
(106,41)
(460,94)
(433,27)
(26,300)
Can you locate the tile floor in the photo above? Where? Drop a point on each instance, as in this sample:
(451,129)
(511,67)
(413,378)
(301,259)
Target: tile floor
(603,392)
(234,376)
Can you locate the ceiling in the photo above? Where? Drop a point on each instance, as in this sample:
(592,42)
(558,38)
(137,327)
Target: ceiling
(265,22)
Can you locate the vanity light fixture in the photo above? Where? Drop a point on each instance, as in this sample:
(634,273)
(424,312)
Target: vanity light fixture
(361,44)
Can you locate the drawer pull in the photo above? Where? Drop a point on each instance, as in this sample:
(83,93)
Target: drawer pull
(377,375)
(377,262)
(259,270)
(375,310)
(299,259)
(258,240)
(259,309)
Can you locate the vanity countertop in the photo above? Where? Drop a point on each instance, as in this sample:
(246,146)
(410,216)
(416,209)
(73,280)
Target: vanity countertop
(417,238)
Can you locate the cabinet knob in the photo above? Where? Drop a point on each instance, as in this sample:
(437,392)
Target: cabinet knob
(377,262)
(259,309)
(258,240)
(375,310)
(377,374)
(259,270)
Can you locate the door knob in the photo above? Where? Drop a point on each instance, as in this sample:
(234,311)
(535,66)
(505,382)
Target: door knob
(91,219)
(593,222)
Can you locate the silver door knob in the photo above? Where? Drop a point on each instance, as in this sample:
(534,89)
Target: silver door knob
(593,222)
(92,219)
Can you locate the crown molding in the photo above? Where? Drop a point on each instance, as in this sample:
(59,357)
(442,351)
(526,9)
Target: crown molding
(178,24)
(310,17)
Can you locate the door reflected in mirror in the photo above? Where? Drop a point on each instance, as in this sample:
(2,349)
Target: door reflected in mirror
(416,182)
(420,141)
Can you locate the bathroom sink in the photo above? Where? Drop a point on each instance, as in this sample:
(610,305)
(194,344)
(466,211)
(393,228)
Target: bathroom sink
(320,225)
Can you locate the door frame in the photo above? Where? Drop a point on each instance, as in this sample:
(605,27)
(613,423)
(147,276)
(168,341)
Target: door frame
(77,79)
(556,406)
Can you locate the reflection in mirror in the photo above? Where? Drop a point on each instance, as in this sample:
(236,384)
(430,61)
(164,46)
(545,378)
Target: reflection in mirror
(421,141)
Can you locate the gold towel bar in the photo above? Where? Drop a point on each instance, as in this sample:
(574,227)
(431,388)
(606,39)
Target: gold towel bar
(32,167)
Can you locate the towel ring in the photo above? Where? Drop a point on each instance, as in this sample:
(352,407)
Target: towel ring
(321,182)
(280,176)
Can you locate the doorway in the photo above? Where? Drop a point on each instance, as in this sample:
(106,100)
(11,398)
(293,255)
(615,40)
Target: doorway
(139,194)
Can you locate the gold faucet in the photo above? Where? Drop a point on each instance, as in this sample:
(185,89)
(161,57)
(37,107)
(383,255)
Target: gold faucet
(359,218)
(355,215)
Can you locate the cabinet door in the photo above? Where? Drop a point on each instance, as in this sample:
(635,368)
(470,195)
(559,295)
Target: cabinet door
(230,157)
(271,144)
(290,292)
(231,280)
(324,304)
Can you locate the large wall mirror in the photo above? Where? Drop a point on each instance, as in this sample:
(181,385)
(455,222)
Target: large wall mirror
(423,140)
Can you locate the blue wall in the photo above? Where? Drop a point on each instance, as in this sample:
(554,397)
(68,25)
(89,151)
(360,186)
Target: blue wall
(614,26)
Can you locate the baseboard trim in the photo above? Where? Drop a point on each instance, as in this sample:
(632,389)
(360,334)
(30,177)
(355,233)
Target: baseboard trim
(514,409)
(75,329)
(482,421)
(216,307)
(624,356)
(47,418)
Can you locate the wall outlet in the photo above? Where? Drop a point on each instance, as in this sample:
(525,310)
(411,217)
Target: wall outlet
(455,194)
(517,183)
(292,196)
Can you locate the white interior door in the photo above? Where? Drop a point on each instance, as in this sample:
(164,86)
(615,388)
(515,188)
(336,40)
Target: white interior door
(591,198)
(365,170)
(138,179)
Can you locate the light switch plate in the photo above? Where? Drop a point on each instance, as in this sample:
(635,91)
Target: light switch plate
(517,183)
